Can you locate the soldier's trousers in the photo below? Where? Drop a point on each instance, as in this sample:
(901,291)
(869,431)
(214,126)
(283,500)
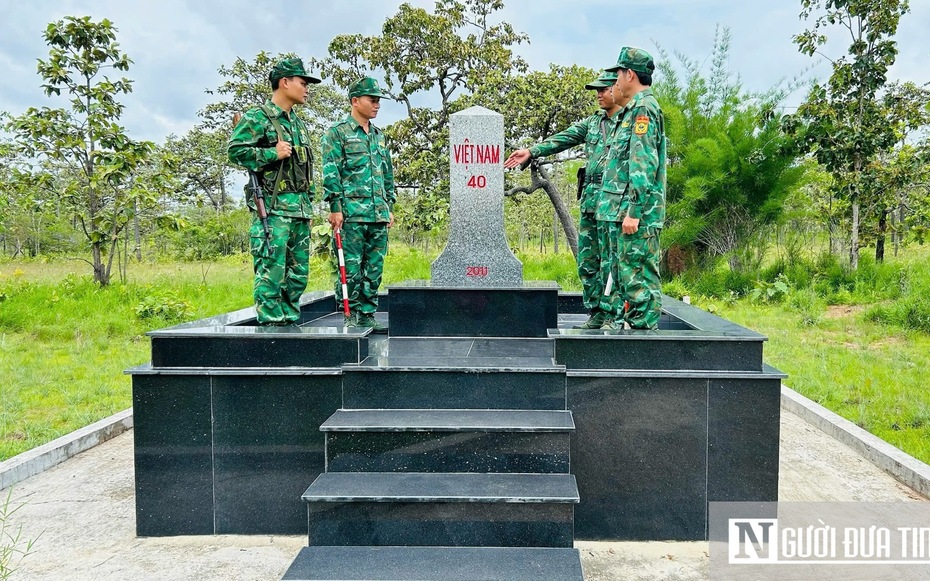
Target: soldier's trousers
(364,245)
(611,303)
(637,270)
(593,259)
(281,269)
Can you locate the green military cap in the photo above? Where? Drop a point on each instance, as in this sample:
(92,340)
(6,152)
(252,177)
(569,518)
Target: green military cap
(366,86)
(293,67)
(606,79)
(635,59)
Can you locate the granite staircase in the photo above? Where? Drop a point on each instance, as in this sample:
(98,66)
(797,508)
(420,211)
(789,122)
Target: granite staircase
(449,460)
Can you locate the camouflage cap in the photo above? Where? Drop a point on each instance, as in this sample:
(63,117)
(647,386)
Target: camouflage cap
(292,67)
(365,86)
(606,79)
(635,59)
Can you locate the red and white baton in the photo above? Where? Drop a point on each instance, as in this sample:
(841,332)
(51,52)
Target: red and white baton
(342,272)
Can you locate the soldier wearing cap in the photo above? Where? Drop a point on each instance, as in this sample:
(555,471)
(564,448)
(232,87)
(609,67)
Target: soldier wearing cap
(358,185)
(633,198)
(272,142)
(593,132)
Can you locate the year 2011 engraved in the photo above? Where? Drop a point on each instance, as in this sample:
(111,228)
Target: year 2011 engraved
(476,271)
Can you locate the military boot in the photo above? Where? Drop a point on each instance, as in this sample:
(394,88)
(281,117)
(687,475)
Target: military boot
(615,324)
(351,321)
(596,320)
(368,321)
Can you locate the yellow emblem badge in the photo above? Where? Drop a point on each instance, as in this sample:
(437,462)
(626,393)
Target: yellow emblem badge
(641,126)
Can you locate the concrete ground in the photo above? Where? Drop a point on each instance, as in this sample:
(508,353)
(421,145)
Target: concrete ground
(81,515)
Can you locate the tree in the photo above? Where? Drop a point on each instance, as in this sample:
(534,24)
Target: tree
(730,167)
(896,177)
(86,138)
(199,161)
(426,57)
(843,123)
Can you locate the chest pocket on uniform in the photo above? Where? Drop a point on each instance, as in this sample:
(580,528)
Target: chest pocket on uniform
(356,156)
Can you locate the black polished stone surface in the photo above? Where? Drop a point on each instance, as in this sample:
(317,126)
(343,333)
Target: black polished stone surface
(459,451)
(744,418)
(173,455)
(450,421)
(453,524)
(420,487)
(435,564)
(662,350)
(258,347)
(420,310)
(267,446)
(453,388)
(639,453)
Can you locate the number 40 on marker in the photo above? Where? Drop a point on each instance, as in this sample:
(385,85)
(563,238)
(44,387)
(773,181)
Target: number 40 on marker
(477,182)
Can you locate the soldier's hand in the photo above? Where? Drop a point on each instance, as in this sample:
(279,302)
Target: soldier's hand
(516,158)
(283,149)
(335,220)
(630,225)
(391,223)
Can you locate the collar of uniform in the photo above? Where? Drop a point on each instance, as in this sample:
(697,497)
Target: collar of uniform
(640,96)
(350,119)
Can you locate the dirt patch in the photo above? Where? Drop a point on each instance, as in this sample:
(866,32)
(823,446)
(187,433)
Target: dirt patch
(842,311)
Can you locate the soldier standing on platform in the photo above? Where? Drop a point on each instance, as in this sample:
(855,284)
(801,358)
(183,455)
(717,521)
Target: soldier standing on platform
(594,132)
(358,185)
(273,144)
(633,198)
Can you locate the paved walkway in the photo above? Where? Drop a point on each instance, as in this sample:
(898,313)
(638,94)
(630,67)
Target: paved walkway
(82,514)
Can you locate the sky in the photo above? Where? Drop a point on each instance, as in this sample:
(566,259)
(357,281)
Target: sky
(178,45)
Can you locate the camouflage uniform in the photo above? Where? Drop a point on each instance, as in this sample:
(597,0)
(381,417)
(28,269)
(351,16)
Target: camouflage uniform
(281,268)
(593,132)
(358,181)
(634,186)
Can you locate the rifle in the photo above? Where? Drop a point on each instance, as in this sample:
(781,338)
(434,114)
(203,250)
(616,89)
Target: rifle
(255,189)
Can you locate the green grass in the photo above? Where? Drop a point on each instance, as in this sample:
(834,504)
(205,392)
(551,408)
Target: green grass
(871,374)
(64,342)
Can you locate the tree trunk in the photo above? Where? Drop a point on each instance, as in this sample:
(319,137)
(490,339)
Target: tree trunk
(101,274)
(880,242)
(568,225)
(137,234)
(222,190)
(854,237)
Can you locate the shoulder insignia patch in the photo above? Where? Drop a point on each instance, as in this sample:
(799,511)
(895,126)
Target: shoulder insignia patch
(642,125)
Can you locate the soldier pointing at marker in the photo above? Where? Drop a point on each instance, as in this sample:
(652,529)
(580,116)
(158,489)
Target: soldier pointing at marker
(594,132)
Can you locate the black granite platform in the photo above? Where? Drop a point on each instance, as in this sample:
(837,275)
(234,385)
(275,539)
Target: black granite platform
(420,309)
(435,564)
(666,422)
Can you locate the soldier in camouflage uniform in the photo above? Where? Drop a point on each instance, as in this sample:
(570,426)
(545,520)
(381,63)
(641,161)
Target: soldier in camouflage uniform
(633,198)
(273,142)
(593,132)
(358,184)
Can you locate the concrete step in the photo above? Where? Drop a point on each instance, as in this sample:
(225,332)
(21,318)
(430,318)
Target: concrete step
(435,564)
(502,441)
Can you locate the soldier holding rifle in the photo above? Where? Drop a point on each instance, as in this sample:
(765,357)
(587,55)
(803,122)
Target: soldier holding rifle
(273,144)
